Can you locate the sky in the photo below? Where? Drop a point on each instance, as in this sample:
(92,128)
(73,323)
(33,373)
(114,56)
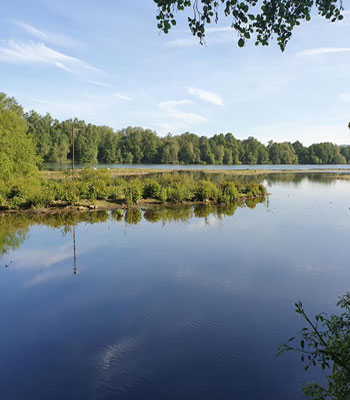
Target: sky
(106,62)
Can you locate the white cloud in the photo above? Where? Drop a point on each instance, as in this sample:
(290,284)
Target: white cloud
(177,119)
(323,50)
(122,97)
(219,29)
(345,97)
(171,108)
(205,95)
(48,37)
(38,53)
(32,31)
(214,35)
(98,83)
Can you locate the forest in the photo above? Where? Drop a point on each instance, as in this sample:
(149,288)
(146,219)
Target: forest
(136,145)
(52,140)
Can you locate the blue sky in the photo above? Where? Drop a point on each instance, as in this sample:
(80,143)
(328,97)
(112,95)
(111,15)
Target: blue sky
(105,62)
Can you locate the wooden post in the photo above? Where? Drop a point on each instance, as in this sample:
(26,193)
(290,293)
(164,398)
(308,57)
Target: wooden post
(72,153)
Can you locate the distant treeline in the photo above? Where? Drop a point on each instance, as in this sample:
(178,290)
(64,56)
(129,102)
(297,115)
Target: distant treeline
(136,145)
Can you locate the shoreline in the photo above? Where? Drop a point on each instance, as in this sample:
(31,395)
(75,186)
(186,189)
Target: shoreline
(121,172)
(104,205)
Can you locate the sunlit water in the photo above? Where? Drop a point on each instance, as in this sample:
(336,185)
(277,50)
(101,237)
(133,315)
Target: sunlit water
(182,304)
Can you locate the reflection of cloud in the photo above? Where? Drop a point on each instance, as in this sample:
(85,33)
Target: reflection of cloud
(40,258)
(211,220)
(47,275)
(114,352)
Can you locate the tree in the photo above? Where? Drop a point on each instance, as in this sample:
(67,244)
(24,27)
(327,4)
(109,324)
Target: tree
(17,149)
(249,18)
(325,341)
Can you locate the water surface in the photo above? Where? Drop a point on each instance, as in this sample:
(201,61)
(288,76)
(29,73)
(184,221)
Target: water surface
(170,303)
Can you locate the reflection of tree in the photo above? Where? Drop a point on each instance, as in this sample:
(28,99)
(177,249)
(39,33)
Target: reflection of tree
(15,227)
(133,216)
(75,270)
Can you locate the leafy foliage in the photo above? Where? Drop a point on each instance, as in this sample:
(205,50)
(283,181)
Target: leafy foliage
(90,185)
(249,18)
(17,150)
(326,341)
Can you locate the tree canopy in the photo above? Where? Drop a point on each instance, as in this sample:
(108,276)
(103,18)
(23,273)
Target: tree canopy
(262,20)
(17,151)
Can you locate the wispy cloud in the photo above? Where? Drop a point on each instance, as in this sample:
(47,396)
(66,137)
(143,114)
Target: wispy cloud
(38,53)
(207,96)
(219,29)
(171,108)
(177,119)
(31,30)
(48,37)
(183,42)
(345,97)
(323,50)
(98,83)
(122,97)
(214,35)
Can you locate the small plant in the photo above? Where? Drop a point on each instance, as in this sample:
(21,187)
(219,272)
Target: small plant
(325,341)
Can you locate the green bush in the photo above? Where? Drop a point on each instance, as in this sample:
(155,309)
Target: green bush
(177,193)
(151,189)
(133,192)
(163,195)
(229,191)
(205,190)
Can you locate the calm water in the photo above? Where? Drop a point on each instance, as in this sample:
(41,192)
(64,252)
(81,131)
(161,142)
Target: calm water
(179,303)
(334,167)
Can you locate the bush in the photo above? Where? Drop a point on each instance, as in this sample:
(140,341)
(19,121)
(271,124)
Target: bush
(229,191)
(163,195)
(133,192)
(177,193)
(205,190)
(151,189)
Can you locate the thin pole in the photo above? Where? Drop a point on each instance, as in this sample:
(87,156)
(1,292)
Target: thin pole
(72,152)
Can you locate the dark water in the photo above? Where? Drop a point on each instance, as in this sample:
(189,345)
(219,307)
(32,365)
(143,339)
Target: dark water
(174,167)
(178,303)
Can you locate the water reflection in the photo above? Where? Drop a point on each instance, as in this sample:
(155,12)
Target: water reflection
(191,303)
(271,178)
(15,227)
(75,269)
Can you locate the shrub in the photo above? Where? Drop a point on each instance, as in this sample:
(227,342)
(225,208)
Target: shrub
(176,194)
(229,191)
(151,189)
(205,190)
(163,195)
(133,192)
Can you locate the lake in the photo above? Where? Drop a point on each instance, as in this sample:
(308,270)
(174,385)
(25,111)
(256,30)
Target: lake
(170,303)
